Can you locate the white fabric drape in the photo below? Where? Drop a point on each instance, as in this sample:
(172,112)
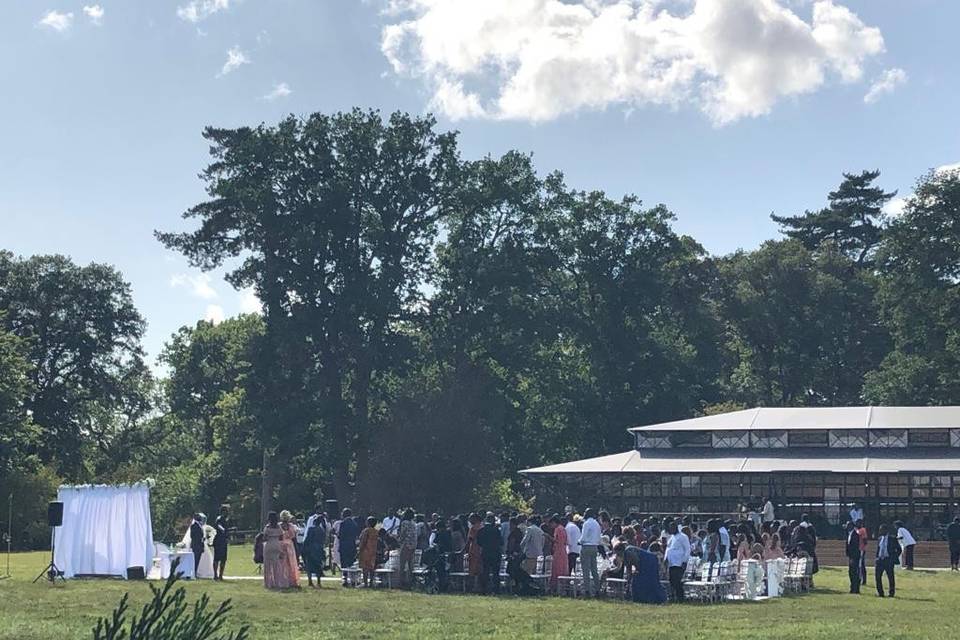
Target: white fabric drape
(106,529)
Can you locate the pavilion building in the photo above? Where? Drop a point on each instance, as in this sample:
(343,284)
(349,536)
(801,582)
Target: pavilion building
(896,462)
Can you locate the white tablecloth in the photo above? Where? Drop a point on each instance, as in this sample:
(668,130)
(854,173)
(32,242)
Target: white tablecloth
(185,568)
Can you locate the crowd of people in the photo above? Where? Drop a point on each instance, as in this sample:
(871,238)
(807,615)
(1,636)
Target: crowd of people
(640,550)
(645,552)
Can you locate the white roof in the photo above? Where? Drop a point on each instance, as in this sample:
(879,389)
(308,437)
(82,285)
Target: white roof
(765,461)
(818,418)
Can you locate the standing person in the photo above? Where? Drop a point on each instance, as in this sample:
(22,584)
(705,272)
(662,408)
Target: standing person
(347,536)
(589,542)
(678,552)
(273,569)
(220,541)
(504,527)
(573,543)
(907,543)
(532,545)
(725,550)
(407,537)
(491,547)
(864,536)
(953,540)
(367,551)
(768,513)
(853,557)
(474,554)
(560,566)
(444,543)
(288,547)
(391,524)
(196,541)
(314,549)
(515,537)
(856,513)
(458,542)
(888,549)
(423,532)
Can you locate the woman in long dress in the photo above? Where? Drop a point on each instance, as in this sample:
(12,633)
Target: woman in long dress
(474,554)
(205,567)
(367,552)
(560,566)
(277,552)
(289,549)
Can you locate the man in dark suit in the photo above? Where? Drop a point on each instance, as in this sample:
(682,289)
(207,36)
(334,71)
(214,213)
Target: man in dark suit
(888,552)
(490,541)
(196,540)
(853,557)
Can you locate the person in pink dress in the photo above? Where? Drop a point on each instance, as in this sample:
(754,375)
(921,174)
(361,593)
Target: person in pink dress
(560,565)
(280,569)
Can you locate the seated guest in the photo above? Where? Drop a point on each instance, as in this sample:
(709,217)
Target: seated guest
(773,551)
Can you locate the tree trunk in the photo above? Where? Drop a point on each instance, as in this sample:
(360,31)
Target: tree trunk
(266,486)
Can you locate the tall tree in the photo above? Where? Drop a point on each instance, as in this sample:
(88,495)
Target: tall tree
(16,434)
(83,343)
(919,265)
(851,222)
(335,217)
(803,328)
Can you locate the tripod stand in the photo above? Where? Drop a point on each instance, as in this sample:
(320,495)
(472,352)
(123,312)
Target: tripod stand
(8,536)
(51,570)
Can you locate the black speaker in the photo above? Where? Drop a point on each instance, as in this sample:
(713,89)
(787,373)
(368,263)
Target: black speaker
(136,573)
(332,508)
(55,514)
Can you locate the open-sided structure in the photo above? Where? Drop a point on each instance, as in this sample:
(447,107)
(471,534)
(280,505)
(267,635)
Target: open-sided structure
(897,462)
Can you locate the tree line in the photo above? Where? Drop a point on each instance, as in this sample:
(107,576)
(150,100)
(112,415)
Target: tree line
(431,324)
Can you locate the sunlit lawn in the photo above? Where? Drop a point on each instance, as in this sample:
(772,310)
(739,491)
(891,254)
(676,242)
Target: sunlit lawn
(925,607)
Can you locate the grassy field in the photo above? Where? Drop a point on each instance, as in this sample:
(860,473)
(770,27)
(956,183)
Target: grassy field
(66,611)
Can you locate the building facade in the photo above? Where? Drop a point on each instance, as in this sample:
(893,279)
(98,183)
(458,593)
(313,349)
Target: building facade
(896,462)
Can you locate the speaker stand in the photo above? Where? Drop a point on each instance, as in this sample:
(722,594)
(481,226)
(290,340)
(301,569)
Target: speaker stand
(51,571)
(8,536)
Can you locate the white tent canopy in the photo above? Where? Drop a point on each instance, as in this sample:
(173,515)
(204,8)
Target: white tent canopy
(106,529)
(773,418)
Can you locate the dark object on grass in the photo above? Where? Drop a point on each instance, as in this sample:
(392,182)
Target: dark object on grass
(166,617)
(523,583)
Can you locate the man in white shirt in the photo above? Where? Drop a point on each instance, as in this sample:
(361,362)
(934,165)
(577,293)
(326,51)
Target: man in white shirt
(907,543)
(768,514)
(391,524)
(678,552)
(724,542)
(589,542)
(856,513)
(573,544)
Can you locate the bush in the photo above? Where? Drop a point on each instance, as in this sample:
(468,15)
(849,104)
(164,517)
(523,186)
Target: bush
(166,617)
(31,491)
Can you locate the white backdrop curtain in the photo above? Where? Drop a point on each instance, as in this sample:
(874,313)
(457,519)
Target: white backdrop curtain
(105,530)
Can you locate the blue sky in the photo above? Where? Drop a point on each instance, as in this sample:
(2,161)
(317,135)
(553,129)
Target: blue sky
(725,110)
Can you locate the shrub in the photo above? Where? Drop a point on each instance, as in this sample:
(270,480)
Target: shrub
(166,617)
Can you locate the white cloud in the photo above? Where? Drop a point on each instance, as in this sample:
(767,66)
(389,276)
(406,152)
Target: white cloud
(198,284)
(281,90)
(56,21)
(944,168)
(895,206)
(888,82)
(539,59)
(214,314)
(235,58)
(249,302)
(197,10)
(95,13)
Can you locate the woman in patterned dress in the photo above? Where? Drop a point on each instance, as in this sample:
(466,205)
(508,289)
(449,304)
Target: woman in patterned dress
(475,562)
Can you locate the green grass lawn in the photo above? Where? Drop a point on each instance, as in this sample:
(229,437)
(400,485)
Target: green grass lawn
(924,608)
